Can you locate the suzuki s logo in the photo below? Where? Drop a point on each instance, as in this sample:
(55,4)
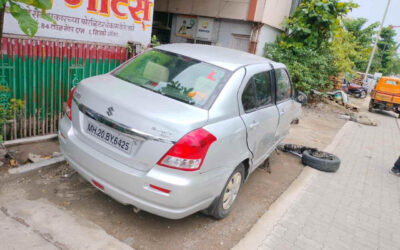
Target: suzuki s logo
(110,111)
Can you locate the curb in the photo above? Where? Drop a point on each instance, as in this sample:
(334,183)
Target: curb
(34,166)
(30,140)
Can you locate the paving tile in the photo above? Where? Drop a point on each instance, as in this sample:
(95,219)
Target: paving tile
(357,207)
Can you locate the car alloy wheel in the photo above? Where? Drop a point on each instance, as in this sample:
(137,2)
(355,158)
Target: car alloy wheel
(224,203)
(231,190)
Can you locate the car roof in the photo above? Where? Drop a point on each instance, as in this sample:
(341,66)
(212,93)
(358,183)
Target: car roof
(390,78)
(229,59)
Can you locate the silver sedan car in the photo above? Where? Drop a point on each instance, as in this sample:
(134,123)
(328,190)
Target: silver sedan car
(179,128)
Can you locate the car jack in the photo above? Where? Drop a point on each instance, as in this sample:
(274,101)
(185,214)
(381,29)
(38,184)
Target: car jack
(136,210)
(266,166)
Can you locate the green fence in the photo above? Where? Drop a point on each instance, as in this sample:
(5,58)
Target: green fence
(41,73)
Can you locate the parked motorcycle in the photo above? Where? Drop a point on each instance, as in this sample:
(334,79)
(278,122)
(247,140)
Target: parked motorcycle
(354,89)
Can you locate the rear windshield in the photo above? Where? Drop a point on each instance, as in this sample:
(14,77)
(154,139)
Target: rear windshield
(394,83)
(182,78)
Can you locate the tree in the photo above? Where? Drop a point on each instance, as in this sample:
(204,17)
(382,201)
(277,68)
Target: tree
(309,68)
(306,47)
(394,66)
(19,10)
(387,47)
(346,51)
(315,21)
(364,37)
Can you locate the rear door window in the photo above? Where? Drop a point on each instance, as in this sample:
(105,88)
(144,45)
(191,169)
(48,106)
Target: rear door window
(262,84)
(283,85)
(249,98)
(176,76)
(257,92)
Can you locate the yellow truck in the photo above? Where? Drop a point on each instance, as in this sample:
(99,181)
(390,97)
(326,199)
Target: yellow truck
(386,95)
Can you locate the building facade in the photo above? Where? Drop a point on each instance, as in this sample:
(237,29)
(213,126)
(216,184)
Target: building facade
(239,24)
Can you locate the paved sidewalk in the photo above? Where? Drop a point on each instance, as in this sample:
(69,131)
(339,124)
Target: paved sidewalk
(357,207)
(26,224)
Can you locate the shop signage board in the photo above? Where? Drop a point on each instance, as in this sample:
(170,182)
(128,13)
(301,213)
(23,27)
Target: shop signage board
(186,26)
(103,21)
(205,28)
(193,27)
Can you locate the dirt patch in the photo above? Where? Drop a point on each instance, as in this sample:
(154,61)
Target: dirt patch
(60,186)
(318,125)
(147,231)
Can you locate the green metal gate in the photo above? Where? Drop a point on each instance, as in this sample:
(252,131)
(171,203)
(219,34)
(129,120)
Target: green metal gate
(42,72)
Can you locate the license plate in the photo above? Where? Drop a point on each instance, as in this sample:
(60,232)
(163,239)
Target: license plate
(109,136)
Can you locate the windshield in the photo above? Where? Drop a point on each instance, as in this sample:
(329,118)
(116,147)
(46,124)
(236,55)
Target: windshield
(182,78)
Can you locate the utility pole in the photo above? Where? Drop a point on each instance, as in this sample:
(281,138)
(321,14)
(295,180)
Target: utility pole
(376,42)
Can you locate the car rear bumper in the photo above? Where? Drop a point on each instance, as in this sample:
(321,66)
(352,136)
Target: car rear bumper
(189,191)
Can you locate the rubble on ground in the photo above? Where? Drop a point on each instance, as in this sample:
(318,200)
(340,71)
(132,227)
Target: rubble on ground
(3,155)
(34,158)
(337,97)
(362,119)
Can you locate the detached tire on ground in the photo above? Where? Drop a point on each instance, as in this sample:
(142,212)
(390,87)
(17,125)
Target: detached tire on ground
(321,160)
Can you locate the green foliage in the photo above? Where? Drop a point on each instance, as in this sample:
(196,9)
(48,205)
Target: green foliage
(314,22)
(394,66)
(386,52)
(14,109)
(348,52)
(364,37)
(154,41)
(386,58)
(306,49)
(19,10)
(309,68)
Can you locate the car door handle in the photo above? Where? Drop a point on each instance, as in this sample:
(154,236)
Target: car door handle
(254,125)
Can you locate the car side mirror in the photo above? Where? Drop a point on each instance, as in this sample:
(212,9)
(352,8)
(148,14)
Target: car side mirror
(301,97)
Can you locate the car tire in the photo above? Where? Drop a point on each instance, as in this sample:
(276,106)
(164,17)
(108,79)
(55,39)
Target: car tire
(321,160)
(371,106)
(219,208)
(357,95)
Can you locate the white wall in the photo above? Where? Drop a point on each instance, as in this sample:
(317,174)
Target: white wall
(232,9)
(268,34)
(275,12)
(226,28)
(271,12)
(222,32)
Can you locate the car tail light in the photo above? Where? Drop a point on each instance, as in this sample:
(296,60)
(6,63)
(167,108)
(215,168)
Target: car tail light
(189,152)
(68,109)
